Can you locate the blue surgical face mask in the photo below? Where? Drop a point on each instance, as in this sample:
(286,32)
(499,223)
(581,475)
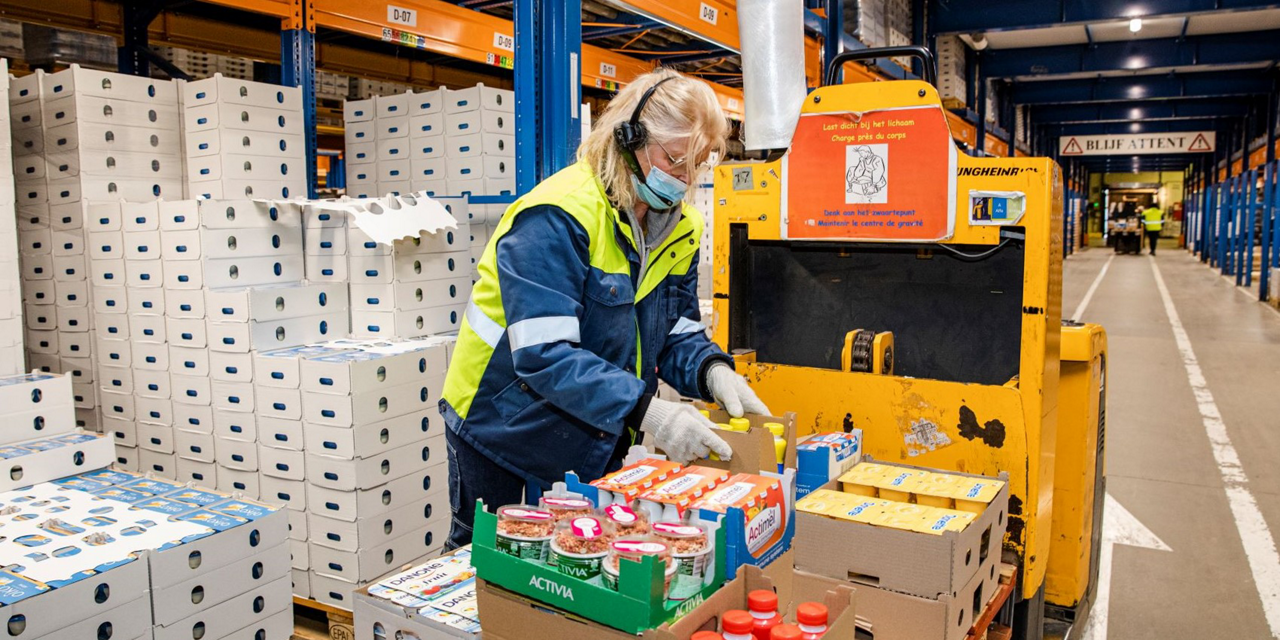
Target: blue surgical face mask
(660,190)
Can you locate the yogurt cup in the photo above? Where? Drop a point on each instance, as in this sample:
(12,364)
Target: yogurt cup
(563,508)
(524,531)
(580,545)
(691,549)
(609,576)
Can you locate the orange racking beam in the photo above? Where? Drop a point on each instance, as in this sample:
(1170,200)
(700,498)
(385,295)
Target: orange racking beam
(441,27)
(715,21)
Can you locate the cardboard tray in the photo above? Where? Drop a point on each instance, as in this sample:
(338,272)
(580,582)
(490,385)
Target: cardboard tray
(395,621)
(511,616)
(636,606)
(918,564)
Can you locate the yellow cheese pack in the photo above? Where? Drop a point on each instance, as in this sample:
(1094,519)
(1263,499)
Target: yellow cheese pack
(824,502)
(864,478)
(863,509)
(939,521)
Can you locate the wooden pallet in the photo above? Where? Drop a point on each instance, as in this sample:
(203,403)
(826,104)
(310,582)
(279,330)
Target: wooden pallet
(983,627)
(313,620)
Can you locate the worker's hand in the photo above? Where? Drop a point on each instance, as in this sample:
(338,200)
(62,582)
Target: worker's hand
(732,392)
(683,433)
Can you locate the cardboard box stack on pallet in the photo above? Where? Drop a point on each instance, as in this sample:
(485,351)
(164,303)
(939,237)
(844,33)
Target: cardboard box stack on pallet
(244,139)
(921,549)
(876,523)
(39,434)
(441,142)
(140,557)
(881,23)
(951,52)
(98,136)
(373,496)
(412,287)
(12,358)
(39,291)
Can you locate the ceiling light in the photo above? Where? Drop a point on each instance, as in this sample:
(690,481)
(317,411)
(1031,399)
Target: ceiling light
(1135,25)
(1135,127)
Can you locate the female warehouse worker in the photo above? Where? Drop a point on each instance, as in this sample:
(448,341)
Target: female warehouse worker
(587,296)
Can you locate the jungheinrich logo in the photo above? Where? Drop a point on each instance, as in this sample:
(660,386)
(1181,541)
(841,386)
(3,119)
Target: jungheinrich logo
(995,172)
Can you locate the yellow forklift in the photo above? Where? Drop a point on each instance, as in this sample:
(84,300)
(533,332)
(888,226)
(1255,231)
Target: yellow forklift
(873,277)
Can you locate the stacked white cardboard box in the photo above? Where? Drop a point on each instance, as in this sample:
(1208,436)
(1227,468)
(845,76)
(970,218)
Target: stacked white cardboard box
(244,139)
(200,64)
(365,88)
(12,357)
(373,496)
(412,287)
(441,142)
(173,563)
(100,136)
(39,290)
(39,435)
(951,69)
(380,140)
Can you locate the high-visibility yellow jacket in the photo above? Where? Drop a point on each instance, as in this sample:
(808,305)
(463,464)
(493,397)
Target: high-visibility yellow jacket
(1153,219)
(569,327)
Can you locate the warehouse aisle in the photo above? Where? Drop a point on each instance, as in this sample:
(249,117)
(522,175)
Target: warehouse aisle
(1161,466)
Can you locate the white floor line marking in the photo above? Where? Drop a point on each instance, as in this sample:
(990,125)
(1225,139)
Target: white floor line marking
(1118,527)
(1088,295)
(1259,544)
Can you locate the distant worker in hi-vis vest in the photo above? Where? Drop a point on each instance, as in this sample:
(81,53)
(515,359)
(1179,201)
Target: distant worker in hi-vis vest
(588,295)
(1153,222)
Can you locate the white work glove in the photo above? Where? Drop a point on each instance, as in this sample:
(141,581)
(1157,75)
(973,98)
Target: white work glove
(732,392)
(682,432)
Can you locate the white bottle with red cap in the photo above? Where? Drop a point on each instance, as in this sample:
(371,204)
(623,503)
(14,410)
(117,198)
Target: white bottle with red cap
(812,617)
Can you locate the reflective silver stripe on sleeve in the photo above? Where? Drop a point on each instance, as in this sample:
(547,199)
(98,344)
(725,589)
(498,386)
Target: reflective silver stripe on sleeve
(685,325)
(536,331)
(485,327)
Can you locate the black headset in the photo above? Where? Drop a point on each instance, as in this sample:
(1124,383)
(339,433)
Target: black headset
(632,134)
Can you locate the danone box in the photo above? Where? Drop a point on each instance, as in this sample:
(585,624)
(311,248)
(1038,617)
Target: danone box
(825,456)
(766,501)
(767,524)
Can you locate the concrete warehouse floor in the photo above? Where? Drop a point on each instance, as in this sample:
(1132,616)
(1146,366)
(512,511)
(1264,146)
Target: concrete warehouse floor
(1161,465)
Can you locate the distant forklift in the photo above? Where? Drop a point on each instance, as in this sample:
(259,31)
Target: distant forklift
(1125,229)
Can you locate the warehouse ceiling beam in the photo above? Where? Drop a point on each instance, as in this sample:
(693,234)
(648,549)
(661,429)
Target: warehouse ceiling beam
(712,21)
(1148,87)
(969,16)
(1133,55)
(1140,111)
(623,24)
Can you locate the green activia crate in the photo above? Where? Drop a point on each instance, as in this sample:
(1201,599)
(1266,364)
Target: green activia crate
(636,606)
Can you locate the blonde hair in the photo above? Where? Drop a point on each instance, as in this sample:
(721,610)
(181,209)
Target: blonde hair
(683,108)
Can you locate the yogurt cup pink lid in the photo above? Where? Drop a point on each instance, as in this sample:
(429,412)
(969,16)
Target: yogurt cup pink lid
(621,514)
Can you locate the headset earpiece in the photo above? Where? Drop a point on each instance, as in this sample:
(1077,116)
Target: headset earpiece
(632,134)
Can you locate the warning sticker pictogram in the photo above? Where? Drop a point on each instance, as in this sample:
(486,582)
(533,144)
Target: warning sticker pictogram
(1200,144)
(1072,148)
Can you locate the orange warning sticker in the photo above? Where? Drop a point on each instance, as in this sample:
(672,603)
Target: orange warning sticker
(884,176)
